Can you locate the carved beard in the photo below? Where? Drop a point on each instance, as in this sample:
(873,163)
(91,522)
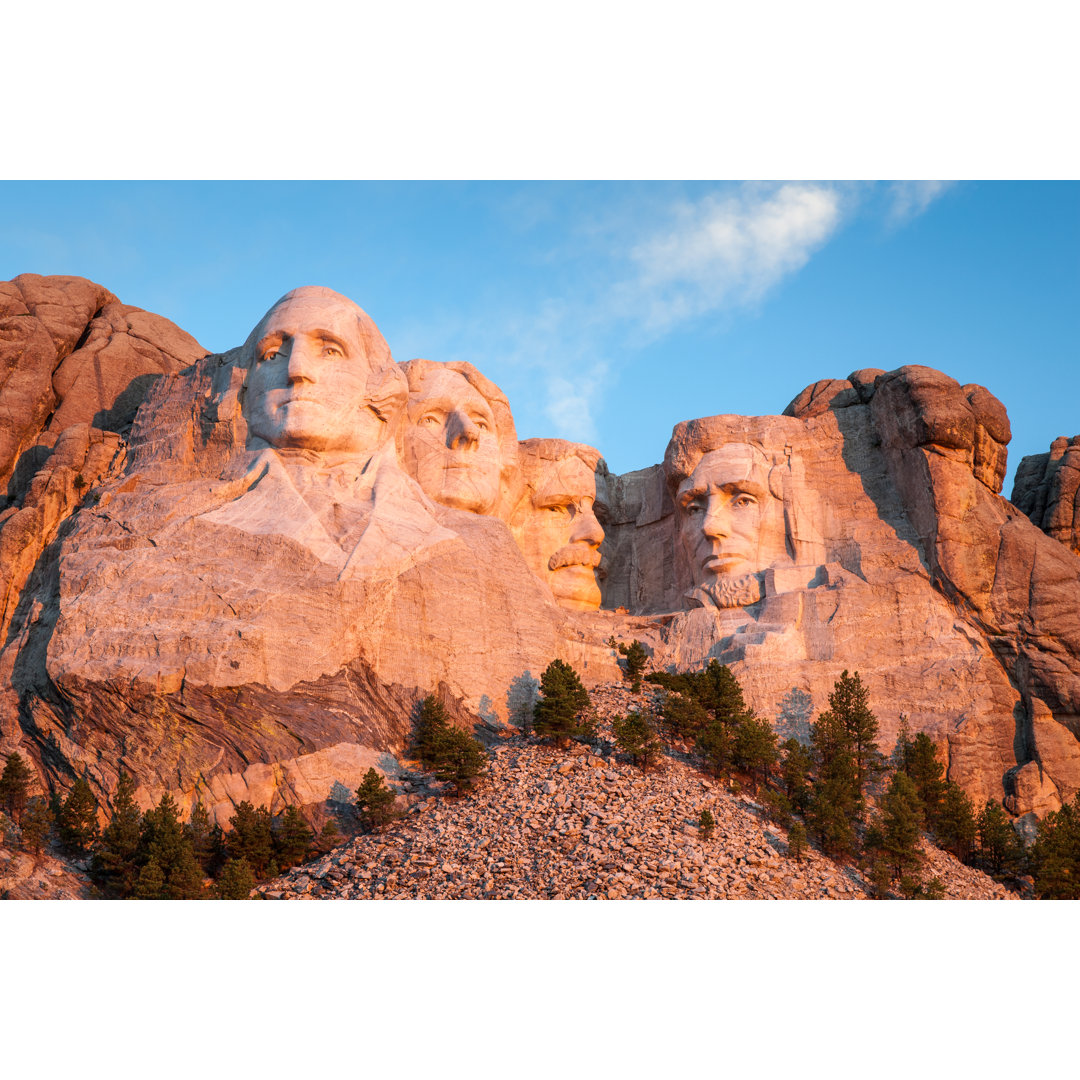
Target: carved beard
(740,590)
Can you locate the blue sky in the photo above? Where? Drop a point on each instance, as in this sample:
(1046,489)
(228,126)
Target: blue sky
(610,311)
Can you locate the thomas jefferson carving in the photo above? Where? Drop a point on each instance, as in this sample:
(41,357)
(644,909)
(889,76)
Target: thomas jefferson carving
(557,523)
(459,441)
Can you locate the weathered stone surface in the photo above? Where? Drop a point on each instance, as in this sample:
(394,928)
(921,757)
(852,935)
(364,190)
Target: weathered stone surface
(1033,792)
(1047,489)
(75,364)
(299,539)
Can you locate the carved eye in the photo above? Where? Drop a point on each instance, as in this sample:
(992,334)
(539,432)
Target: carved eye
(562,511)
(482,424)
(431,420)
(743,502)
(269,354)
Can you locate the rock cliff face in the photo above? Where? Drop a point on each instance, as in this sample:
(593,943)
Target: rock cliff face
(230,590)
(75,364)
(1047,489)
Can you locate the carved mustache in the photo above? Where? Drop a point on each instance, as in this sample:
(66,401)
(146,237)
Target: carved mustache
(574,555)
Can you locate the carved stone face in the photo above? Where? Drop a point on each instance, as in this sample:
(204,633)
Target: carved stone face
(730,524)
(560,533)
(309,379)
(451,444)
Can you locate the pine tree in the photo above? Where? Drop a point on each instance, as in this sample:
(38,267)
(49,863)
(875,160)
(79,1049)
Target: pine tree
(292,840)
(901,823)
(461,759)
(716,744)
(849,704)
(431,724)
(115,866)
(562,713)
(797,842)
(151,883)
(999,846)
(251,837)
(795,767)
(77,823)
(835,803)
(954,825)
(374,802)
(14,786)
(164,844)
(755,746)
(719,691)
(636,736)
(636,659)
(205,839)
(329,837)
(776,805)
(236,881)
(1056,854)
(706,824)
(683,716)
(521,700)
(927,773)
(37,823)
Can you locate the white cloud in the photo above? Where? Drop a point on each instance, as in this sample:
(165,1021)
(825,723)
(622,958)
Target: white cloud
(909,198)
(570,401)
(651,268)
(729,250)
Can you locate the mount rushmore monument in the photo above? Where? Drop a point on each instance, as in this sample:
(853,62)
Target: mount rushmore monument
(234,575)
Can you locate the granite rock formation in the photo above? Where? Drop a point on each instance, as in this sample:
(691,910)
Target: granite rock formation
(1047,489)
(286,546)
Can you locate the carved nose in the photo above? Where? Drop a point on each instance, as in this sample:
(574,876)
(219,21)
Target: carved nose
(299,363)
(717,522)
(461,432)
(587,529)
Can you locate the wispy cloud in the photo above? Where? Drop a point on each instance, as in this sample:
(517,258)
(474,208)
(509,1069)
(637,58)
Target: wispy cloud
(641,267)
(909,198)
(570,400)
(729,250)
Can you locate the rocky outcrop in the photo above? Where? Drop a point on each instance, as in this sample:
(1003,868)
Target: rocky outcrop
(1047,489)
(75,364)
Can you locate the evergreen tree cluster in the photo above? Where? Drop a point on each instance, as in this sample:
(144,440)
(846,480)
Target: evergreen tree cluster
(821,790)
(1055,855)
(708,708)
(452,754)
(156,856)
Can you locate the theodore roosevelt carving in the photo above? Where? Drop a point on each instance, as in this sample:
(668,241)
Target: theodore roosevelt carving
(557,523)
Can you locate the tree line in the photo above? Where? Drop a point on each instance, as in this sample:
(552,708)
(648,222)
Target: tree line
(154,855)
(822,790)
(819,790)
